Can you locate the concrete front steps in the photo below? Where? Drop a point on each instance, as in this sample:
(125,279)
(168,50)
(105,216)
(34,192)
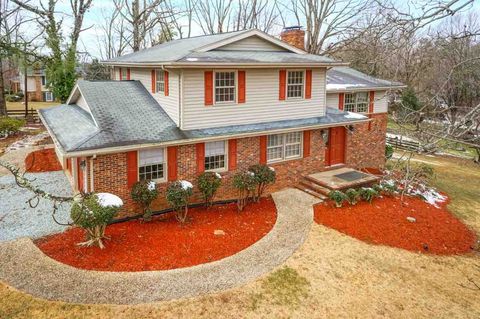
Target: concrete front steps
(312,187)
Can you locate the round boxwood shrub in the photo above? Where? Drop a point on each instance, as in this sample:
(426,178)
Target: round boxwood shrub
(178,195)
(208,184)
(338,198)
(144,193)
(263,176)
(93,213)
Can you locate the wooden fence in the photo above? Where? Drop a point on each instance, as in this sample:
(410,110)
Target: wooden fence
(31,116)
(400,143)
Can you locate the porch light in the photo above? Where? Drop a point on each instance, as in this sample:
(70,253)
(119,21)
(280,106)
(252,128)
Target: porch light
(351,129)
(324,134)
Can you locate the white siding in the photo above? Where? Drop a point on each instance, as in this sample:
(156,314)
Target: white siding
(262,103)
(169,103)
(381,102)
(252,43)
(82,103)
(332,100)
(380,105)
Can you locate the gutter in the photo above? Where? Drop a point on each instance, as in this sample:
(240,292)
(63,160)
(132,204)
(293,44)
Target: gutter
(223,64)
(123,149)
(366,88)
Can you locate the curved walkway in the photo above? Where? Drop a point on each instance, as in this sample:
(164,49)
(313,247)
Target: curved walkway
(25,267)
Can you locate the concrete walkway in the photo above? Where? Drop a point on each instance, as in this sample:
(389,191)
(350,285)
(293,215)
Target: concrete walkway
(25,267)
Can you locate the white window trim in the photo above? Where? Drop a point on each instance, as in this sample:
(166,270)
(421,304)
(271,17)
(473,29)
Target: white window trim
(284,144)
(235,98)
(222,169)
(158,81)
(355,104)
(303,85)
(165,170)
(51,96)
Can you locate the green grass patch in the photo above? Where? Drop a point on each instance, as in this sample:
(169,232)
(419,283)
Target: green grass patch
(284,287)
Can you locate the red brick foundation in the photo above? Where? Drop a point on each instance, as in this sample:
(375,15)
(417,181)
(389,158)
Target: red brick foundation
(364,148)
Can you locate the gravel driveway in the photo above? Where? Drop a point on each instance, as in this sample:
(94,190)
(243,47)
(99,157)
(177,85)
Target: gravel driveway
(18,219)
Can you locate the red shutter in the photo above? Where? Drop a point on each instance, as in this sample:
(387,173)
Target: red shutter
(208,81)
(263,149)
(200,157)
(306,143)
(283,83)
(132,168)
(308,84)
(120,74)
(172,163)
(153,80)
(165,77)
(341,99)
(79,175)
(232,154)
(372,101)
(69,165)
(128,74)
(241,86)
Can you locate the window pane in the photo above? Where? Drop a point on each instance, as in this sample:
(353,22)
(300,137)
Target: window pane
(214,162)
(292,150)
(151,171)
(294,137)
(160,81)
(274,153)
(274,140)
(224,86)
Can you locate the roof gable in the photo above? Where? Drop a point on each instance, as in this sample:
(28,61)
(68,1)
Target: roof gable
(251,43)
(235,39)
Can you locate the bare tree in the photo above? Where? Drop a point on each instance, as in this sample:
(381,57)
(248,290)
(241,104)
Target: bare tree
(113,38)
(213,16)
(259,14)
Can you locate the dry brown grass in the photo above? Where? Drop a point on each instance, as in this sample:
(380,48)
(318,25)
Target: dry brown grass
(31,105)
(338,275)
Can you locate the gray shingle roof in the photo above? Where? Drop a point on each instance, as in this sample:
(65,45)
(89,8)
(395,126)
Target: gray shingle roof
(188,50)
(123,113)
(343,78)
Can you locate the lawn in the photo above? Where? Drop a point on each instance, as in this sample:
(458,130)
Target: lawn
(31,105)
(331,275)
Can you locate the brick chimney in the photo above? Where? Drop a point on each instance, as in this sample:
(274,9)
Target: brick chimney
(294,36)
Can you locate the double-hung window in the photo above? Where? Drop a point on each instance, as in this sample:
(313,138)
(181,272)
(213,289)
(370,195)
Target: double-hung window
(159,81)
(225,87)
(215,156)
(151,164)
(282,147)
(356,102)
(295,85)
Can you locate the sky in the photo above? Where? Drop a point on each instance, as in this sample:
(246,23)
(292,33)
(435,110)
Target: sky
(89,39)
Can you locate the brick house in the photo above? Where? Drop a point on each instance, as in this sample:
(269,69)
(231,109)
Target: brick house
(218,103)
(37,89)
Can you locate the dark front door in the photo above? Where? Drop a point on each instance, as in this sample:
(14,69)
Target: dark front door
(335,152)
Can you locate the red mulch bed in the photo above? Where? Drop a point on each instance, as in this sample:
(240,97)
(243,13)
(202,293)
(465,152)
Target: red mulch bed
(42,161)
(384,222)
(165,243)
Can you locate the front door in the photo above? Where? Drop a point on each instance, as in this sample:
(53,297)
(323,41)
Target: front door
(335,152)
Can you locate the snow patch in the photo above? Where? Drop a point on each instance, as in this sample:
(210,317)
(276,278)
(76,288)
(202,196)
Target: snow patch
(186,185)
(352,115)
(218,176)
(151,186)
(343,86)
(271,168)
(250,173)
(430,195)
(109,200)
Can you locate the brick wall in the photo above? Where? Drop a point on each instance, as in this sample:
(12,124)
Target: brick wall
(110,171)
(366,146)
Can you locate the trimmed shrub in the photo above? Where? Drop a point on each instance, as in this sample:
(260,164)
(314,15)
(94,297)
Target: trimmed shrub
(263,176)
(352,196)
(10,125)
(178,195)
(144,193)
(368,194)
(389,188)
(208,184)
(12,98)
(338,197)
(93,213)
(245,184)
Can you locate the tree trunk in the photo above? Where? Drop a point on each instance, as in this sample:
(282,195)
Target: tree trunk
(3,104)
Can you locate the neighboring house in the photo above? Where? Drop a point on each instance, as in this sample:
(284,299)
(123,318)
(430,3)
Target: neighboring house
(219,103)
(36,86)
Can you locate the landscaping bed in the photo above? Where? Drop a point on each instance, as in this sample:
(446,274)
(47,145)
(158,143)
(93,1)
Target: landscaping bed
(163,243)
(384,222)
(42,161)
